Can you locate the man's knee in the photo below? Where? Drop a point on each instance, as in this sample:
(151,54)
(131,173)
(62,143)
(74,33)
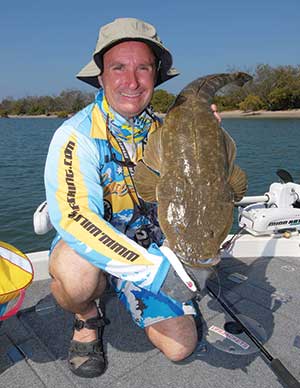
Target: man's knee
(179,352)
(176,337)
(73,275)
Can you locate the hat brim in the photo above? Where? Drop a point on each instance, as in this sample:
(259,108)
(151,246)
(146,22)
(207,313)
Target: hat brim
(90,73)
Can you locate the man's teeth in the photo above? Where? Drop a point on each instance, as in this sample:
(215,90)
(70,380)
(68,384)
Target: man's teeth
(130,95)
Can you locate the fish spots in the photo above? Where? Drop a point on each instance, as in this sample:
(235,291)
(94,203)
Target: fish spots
(170,213)
(186,167)
(176,214)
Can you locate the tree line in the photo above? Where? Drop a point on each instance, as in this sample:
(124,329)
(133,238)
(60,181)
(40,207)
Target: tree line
(272,88)
(67,102)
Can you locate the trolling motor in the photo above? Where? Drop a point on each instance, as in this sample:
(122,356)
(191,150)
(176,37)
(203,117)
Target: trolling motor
(275,212)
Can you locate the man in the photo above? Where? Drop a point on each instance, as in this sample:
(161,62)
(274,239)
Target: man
(103,226)
(214,109)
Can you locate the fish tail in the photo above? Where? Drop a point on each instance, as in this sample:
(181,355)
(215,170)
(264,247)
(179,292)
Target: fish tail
(208,86)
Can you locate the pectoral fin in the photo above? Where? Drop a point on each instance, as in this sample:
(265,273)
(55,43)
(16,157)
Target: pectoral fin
(237,177)
(231,150)
(146,176)
(152,154)
(146,181)
(238,182)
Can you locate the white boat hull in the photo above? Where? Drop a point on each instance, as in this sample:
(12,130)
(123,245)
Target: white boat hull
(247,245)
(244,246)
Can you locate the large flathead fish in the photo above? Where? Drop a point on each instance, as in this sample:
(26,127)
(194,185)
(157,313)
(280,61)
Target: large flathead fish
(188,168)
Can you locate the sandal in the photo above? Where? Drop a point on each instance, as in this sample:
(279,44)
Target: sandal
(87,359)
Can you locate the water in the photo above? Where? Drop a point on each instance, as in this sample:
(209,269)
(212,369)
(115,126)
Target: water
(264,145)
(23,150)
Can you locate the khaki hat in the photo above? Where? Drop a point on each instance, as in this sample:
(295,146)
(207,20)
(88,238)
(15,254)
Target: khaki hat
(125,29)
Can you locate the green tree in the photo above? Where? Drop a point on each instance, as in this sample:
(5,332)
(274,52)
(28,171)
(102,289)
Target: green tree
(251,102)
(226,102)
(3,113)
(280,98)
(20,107)
(162,100)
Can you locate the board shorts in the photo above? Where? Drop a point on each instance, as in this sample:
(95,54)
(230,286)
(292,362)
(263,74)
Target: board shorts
(145,307)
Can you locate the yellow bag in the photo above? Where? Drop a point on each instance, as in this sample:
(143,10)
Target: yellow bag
(16,274)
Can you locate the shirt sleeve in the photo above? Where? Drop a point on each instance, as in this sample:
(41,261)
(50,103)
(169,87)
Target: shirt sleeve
(75,200)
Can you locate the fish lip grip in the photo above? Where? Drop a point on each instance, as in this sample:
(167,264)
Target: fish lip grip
(179,268)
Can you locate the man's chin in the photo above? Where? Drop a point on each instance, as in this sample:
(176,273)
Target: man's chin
(130,112)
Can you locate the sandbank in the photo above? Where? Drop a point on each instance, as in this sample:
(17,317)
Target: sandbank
(293,113)
(32,116)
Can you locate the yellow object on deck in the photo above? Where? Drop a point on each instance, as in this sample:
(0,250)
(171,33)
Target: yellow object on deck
(16,274)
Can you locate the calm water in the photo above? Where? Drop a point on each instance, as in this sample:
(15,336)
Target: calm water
(264,145)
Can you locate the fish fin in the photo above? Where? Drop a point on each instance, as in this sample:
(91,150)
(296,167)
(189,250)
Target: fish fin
(152,152)
(146,180)
(237,177)
(146,176)
(231,150)
(238,182)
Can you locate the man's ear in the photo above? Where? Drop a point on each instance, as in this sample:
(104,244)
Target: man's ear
(100,81)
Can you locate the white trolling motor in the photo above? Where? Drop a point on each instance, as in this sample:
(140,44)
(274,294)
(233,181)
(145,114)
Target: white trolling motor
(275,212)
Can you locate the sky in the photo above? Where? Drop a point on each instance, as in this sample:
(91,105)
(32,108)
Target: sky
(43,44)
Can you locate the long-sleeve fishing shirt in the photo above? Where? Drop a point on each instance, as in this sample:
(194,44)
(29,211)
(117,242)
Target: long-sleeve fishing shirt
(91,206)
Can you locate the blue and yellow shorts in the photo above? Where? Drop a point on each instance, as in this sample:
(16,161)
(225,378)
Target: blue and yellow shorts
(147,308)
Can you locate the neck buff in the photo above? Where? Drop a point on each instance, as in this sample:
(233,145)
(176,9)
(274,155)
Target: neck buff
(134,130)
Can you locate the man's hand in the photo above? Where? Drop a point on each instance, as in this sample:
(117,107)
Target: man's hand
(182,282)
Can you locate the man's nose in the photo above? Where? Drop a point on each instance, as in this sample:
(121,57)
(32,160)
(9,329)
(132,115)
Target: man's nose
(132,80)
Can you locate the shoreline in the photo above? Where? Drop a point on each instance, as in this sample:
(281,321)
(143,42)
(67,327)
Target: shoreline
(32,117)
(293,113)
(281,114)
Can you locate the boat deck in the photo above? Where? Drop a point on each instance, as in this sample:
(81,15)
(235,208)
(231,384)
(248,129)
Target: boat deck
(263,291)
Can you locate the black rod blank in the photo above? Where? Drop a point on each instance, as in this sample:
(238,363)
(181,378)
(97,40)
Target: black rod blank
(276,365)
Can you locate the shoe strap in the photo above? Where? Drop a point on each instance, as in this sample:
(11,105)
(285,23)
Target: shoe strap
(91,323)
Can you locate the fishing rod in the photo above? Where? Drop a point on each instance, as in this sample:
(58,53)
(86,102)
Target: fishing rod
(276,365)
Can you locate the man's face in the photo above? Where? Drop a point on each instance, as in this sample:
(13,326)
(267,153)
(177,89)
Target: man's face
(128,77)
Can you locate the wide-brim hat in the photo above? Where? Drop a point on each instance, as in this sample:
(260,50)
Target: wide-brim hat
(126,29)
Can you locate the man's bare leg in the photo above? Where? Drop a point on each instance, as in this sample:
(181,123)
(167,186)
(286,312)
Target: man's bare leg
(76,284)
(176,337)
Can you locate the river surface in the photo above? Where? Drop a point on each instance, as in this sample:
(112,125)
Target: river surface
(264,145)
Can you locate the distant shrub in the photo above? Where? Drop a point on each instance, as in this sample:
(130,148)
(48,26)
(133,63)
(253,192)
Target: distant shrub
(225,103)
(162,100)
(62,114)
(3,113)
(251,102)
(280,98)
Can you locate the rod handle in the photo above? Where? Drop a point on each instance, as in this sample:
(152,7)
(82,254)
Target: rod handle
(283,374)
